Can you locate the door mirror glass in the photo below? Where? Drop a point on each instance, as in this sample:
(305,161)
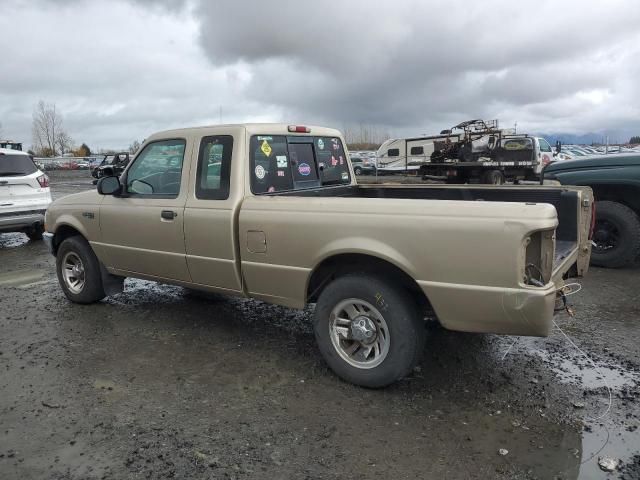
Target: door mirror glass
(141,187)
(109,186)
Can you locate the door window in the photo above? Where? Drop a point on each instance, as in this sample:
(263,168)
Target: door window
(157,170)
(214,167)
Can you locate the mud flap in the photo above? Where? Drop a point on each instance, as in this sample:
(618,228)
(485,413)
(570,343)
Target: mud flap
(111,284)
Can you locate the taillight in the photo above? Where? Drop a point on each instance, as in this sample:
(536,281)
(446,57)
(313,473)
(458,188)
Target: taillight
(43,180)
(593,219)
(299,129)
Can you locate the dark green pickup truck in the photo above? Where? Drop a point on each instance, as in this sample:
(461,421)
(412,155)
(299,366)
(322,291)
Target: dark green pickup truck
(615,181)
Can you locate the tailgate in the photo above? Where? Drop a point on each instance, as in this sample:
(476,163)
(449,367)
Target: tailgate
(576,253)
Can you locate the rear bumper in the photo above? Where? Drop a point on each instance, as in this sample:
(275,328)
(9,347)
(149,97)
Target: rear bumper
(509,311)
(17,221)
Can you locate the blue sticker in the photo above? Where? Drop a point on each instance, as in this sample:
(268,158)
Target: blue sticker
(304,169)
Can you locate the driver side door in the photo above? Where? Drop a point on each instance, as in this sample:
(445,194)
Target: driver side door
(142,231)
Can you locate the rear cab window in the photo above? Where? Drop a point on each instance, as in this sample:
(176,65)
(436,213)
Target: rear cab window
(15,165)
(281,162)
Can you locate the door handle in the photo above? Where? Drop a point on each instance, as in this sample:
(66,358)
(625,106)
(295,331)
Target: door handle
(168,214)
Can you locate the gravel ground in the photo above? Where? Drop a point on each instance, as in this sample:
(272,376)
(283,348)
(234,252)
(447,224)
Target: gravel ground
(160,383)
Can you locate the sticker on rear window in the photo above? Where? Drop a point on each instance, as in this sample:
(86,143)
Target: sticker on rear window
(266,148)
(281,161)
(264,138)
(281,173)
(260,172)
(304,169)
(345,176)
(320,144)
(335,143)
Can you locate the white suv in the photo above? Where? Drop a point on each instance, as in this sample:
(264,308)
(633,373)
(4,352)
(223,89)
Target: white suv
(24,194)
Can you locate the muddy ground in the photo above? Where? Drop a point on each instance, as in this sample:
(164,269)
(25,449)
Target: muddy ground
(160,383)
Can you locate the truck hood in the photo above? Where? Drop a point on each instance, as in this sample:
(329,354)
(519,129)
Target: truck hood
(603,161)
(90,197)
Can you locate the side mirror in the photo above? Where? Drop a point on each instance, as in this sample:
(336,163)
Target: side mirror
(109,186)
(558,146)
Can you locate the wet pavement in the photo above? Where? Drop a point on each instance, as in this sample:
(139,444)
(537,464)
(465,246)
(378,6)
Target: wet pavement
(159,382)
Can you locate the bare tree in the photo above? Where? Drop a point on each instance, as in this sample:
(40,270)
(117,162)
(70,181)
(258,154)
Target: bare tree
(134,147)
(64,143)
(49,136)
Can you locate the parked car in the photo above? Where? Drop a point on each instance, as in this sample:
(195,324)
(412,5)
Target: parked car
(24,194)
(363,166)
(615,180)
(111,165)
(281,219)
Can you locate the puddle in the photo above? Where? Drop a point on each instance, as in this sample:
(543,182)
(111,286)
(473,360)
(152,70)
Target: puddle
(18,278)
(613,435)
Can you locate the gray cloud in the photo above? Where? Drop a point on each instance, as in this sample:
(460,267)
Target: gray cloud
(120,70)
(412,63)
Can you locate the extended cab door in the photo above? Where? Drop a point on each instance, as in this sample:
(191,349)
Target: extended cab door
(142,231)
(211,211)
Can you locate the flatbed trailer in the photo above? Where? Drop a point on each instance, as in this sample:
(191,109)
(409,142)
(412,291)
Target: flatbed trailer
(479,153)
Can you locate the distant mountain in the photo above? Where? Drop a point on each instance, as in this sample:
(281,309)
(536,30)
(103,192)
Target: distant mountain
(586,139)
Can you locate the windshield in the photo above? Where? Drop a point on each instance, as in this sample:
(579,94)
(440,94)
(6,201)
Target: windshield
(14,165)
(280,162)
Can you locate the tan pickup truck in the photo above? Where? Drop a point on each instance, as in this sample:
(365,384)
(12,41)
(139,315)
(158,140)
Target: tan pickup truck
(273,212)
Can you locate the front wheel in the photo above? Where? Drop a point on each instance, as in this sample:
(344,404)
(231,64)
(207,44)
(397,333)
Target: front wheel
(78,271)
(369,331)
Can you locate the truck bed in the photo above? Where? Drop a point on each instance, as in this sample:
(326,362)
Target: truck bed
(566,202)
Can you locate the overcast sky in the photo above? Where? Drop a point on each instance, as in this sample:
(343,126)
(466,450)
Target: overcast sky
(119,70)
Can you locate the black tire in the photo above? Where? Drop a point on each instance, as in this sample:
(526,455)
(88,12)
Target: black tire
(357,171)
(616,234)
(35,232)
(494,177)
(406,329)
(92,290)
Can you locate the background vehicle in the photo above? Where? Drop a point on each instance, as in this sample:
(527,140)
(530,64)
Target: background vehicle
(24,194)
(615,181)
(273,212)
(475,151)
(111,165)
(11,145)
(363,166)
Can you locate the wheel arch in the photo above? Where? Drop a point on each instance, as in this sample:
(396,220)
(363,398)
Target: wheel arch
(628,195)
(340,264)
(63,232)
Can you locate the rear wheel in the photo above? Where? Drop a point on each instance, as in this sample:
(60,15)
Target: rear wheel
(369,331)
(35,232)
(78,271)
(616,235)
(494,177)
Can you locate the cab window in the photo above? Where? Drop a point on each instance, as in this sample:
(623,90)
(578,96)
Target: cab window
(214,167)
(544,145)
(280,162)
(157,170)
